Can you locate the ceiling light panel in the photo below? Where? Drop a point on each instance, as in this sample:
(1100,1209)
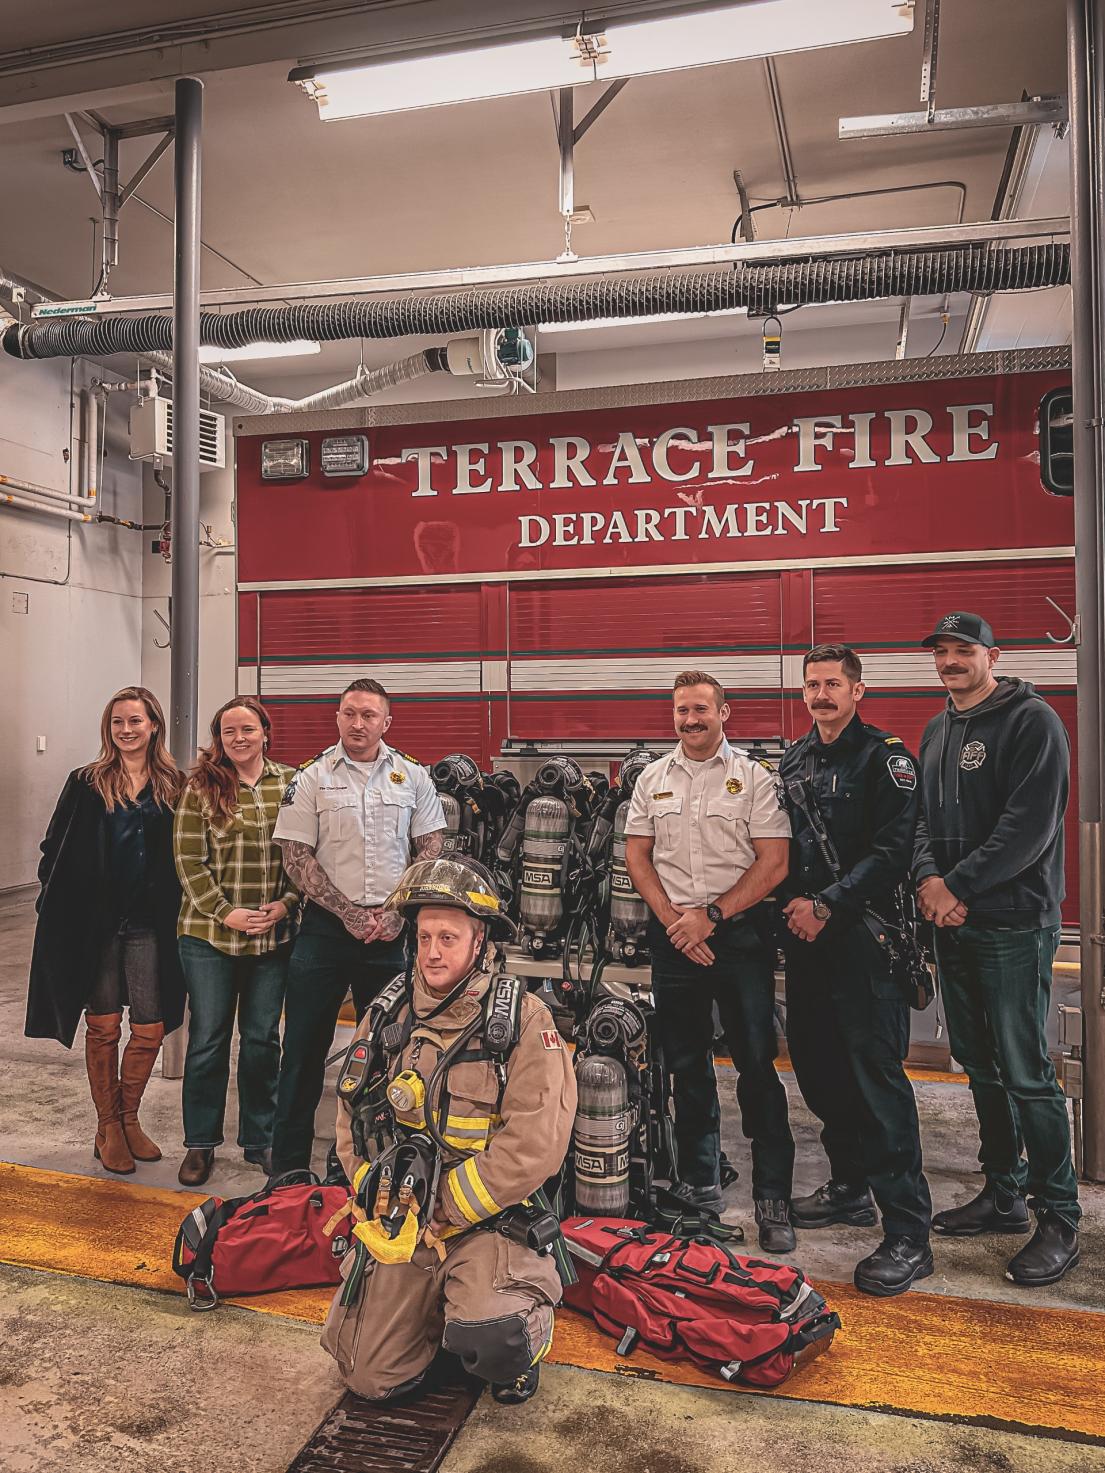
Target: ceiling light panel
(655,42)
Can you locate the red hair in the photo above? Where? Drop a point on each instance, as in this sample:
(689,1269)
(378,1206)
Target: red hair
(214,777)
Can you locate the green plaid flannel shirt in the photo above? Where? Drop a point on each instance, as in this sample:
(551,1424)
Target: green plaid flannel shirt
(222,869)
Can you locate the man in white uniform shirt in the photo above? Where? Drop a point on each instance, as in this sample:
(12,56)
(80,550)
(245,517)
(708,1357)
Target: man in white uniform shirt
(348,827)
(707,839)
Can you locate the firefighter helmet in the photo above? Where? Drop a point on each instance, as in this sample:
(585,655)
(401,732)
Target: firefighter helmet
(455,881)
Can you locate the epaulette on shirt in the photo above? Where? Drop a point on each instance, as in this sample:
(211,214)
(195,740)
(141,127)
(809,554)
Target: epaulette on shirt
(289,792)
(406,756)
(769,766)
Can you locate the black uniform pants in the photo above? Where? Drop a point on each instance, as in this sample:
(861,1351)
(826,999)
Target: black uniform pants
(742,983)
(325,963)
(848,1034)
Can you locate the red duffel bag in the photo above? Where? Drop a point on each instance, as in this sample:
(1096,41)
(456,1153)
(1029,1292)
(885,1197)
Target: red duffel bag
(695,1299)
(276,1239)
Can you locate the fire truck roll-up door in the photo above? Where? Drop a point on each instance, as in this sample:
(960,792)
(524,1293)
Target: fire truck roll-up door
(488,618)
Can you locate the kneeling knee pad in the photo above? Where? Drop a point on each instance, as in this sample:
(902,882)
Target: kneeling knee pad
(495,1350)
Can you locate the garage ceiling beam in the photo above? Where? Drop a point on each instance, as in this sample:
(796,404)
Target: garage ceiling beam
(934,237)
(942,119)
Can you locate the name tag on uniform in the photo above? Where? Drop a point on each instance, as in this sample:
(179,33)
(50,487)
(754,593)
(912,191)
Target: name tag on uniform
(656,797)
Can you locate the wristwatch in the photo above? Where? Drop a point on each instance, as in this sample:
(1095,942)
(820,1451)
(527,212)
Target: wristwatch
(713,913)
(822,909)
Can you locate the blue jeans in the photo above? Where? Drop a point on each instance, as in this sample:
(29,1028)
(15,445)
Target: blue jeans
(997,988)
(218,986)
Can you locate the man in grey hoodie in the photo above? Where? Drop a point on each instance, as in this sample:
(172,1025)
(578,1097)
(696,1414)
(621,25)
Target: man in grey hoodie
(995,776)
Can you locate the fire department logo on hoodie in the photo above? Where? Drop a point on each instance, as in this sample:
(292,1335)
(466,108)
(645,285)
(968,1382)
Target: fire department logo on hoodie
(972,756)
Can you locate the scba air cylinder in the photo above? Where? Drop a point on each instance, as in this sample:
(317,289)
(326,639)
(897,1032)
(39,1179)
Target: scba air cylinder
(451,809)
(544,840)
(604,1124)
(628,912)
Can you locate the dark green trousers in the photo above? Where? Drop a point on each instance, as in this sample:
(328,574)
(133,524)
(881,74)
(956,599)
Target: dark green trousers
(997,988)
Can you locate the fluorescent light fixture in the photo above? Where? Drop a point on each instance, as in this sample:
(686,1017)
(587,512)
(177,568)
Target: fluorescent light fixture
(671,39)
(544,327)
(300,348)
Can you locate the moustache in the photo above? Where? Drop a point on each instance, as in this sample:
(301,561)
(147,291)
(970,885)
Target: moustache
(954,670)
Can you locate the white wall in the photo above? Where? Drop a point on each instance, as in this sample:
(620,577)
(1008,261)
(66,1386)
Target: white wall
(218,657)
(78,640)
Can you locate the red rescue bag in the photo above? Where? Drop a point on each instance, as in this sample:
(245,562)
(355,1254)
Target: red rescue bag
(695,1299)
(256,1245)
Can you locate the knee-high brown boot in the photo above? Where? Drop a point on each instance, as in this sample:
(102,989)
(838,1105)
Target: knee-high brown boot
(101,1057)
(139,1057)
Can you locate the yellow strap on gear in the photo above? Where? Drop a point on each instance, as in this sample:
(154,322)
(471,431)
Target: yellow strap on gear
(343,1211)
(385,1249)
(359,1175)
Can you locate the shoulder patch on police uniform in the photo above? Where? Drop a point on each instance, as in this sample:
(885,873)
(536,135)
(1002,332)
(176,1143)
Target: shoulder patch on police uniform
(902,771)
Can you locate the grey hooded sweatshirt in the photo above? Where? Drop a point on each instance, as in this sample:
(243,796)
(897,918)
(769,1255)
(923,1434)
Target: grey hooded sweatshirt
(994,782)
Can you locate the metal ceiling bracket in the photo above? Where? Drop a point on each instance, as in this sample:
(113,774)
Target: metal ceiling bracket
(903,329)
(568,134)
(930,58)
(747,223)
(112,198)
(1001,115)
(144,168)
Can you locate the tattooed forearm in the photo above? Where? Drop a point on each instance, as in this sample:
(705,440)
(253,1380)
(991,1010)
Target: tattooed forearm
(311,880)
(429,846)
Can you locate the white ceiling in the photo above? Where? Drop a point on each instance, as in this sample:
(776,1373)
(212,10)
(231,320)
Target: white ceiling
(287,198)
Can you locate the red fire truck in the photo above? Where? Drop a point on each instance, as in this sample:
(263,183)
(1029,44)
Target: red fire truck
(537,568)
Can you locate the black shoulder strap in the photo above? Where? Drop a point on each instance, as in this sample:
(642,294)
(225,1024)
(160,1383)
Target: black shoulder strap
(502,1015)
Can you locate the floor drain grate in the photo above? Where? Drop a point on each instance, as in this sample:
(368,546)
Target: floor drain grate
(411,1436)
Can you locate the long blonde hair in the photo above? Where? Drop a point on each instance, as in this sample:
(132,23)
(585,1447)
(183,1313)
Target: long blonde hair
(108,776)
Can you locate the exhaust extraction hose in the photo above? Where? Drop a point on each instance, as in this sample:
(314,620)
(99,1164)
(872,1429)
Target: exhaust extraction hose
(762,289)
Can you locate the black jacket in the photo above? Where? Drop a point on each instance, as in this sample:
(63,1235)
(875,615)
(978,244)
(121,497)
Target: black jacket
(995,781)
(867,789)
(77,915)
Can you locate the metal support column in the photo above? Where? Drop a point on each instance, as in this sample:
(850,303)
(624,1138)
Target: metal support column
(184,671)
(186,422)
(1086,66)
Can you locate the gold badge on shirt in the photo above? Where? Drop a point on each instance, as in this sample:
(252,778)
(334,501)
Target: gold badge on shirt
(734,785)
(398,777)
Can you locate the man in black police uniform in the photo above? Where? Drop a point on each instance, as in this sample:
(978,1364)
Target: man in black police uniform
(847,1020)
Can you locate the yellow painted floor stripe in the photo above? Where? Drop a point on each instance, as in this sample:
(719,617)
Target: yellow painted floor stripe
(924,1353)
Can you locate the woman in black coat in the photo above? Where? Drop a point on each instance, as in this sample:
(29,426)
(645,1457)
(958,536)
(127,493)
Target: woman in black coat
(107,914)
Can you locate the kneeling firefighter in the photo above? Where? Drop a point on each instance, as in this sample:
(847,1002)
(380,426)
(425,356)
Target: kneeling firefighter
(456,1101)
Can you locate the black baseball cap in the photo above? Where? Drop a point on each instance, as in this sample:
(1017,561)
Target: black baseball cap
(971,628)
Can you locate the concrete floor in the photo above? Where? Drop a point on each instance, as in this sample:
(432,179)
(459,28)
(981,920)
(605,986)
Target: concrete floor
(95,1377)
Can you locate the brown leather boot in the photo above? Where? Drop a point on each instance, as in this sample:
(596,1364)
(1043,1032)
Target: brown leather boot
(101,1057)
(139,1057)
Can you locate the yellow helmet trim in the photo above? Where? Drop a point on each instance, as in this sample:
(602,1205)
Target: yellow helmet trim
(486,902)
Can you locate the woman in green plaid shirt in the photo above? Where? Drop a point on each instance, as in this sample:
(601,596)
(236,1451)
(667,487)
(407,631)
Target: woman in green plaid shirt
(236,922)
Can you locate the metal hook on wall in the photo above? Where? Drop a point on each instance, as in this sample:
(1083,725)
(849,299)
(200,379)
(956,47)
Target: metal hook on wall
(168,631)
(1074,630)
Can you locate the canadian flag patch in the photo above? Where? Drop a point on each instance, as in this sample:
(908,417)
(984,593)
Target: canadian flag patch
(550,1038)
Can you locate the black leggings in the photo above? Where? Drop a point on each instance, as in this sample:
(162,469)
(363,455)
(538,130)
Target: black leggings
(127,974)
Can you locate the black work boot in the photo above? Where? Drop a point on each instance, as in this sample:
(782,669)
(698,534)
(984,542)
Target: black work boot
(773,1221)
(1048,1254)
(706,1199)
(992,1211)
(514,1393)
(835,1202)
(895,1264)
